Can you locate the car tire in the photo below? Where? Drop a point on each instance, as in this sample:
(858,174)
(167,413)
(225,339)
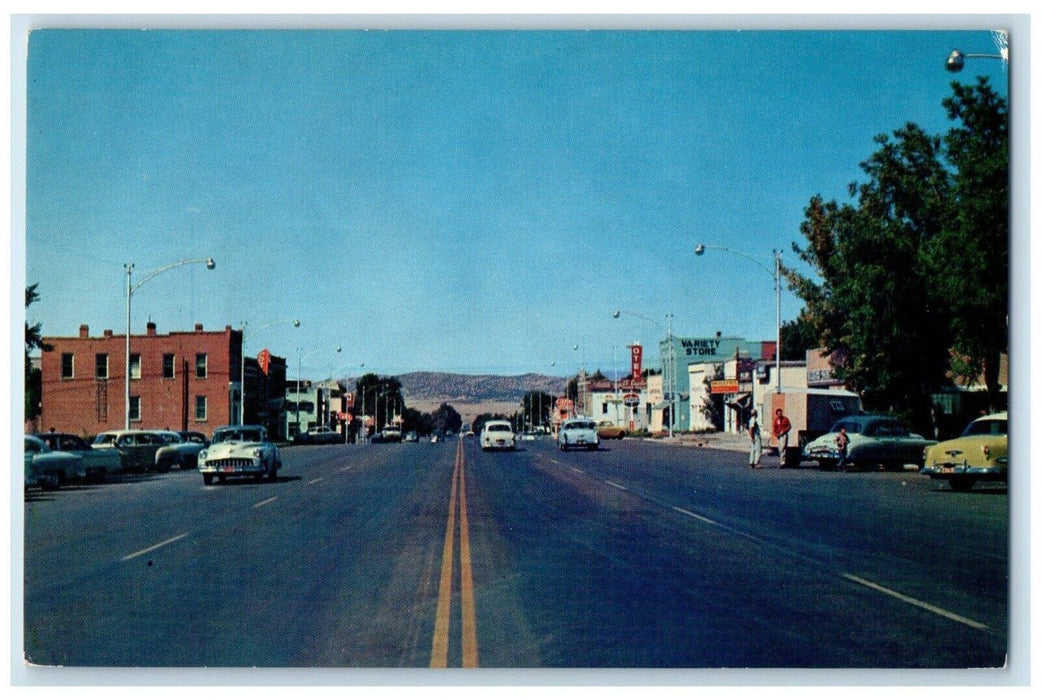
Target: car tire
(961,484)
(207,479)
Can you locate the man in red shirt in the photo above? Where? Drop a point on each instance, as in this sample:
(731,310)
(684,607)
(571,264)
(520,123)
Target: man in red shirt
(782,426)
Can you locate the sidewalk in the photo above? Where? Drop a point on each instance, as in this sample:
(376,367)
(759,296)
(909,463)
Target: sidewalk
(735,442)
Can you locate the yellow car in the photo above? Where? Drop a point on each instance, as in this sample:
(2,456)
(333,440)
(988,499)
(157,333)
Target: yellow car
(980,454)
(607,430)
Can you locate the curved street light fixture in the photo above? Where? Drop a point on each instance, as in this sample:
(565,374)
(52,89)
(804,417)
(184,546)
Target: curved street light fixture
(668,381)
(956,59)
(776,274)
(242,361)
(130,289)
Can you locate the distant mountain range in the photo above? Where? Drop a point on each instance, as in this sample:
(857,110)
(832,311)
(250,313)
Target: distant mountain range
(440,386)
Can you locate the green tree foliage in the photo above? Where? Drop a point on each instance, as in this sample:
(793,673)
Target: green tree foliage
(877,301)
(537,407)
(33,342)
(970,256)
(797,337)
(379,397)
(446,419)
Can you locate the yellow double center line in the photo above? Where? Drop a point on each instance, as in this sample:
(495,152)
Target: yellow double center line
(442,624)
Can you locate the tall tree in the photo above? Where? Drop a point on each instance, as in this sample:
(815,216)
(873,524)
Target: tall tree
(33,342)
(969,259)
(871,303)
(917,264)
(446,419)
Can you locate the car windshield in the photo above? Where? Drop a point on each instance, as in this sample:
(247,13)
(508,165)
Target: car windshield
(987,427)
(498,428)
(105,439)
(581,425)
(240,434)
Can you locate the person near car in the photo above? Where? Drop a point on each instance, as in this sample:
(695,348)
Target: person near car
(755,454)
(842,443)
(782,426)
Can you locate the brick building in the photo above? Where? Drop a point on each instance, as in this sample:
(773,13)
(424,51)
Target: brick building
(186,380)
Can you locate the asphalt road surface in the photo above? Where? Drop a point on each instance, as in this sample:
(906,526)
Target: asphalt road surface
(638,555)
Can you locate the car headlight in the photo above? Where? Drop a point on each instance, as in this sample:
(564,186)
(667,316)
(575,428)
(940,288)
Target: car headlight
(258,452)
(202,455)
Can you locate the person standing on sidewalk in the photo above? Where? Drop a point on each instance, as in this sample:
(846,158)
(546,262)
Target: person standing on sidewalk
(782,426)
(842,443)
(754,432)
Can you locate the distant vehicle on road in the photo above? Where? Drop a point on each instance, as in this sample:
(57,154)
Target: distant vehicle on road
(389,434)
(97,464)
(320,435)
(48,468)
(411,436)
(873,441)
(980,454)
(239,450)
(578,432)
(498,435)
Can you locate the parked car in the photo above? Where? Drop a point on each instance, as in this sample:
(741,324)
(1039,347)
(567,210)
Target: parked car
(873,440)
(609,431)
(137,447)
(177,452)
(411,436)
(319,435)
(97,464)
(498,435)
(980,454)
(578,432)
(389,434)
(49,468)
(239,450)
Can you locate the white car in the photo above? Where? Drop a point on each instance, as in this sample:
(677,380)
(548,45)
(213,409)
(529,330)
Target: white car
(578,432)
(498,435)
(240,450)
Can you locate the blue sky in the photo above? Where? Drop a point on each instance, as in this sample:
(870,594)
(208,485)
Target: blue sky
(477,202)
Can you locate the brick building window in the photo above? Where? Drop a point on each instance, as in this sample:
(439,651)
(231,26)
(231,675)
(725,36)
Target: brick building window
(168,366)
(200,365)
(135,366)
(135,408)
(101,366)
(68,365)
(200,408)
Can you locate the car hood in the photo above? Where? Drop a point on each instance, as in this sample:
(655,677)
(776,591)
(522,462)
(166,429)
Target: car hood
(234,447)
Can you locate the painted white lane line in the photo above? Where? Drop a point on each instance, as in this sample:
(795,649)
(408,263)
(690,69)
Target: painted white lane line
(577,470)
(154,547)
(617,486)
(264,503)
(315,481)
(914,601)
(702,518)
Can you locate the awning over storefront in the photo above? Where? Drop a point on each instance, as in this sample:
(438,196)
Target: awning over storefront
(740,401)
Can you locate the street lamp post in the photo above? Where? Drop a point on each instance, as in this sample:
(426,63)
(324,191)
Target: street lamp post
(669,362)
(242,361)
(130,289)
(776,274)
